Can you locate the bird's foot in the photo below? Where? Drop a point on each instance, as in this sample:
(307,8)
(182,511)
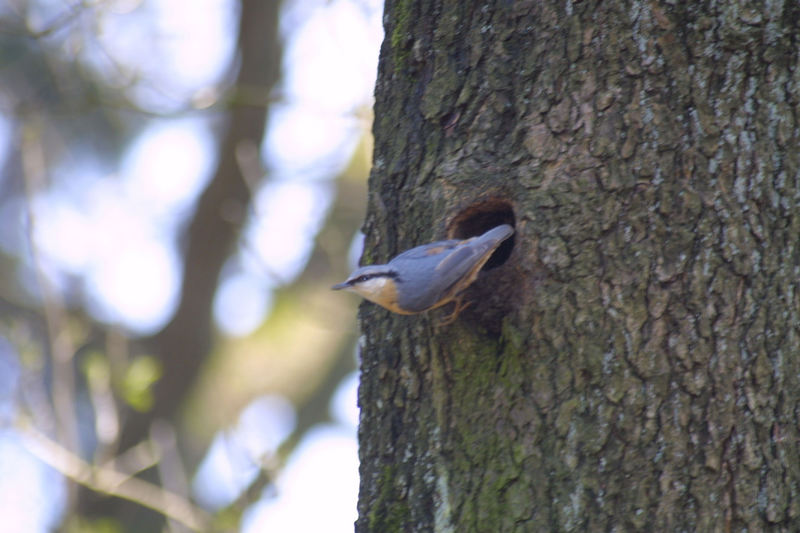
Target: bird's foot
(459,306)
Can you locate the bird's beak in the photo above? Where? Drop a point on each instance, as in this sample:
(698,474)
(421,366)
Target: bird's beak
(340,286)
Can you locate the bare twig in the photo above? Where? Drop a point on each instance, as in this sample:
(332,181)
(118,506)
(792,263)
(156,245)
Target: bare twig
(62,349)
(135,459)
(170,468)
(114,483)
(66,18)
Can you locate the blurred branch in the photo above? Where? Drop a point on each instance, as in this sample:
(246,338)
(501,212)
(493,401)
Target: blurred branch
(62,20)
(330,248)
(170,468)
(185,342)
(135,459)
(62,348)
(115,483)
(325,265)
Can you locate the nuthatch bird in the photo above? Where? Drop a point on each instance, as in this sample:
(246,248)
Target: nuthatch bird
(428,276)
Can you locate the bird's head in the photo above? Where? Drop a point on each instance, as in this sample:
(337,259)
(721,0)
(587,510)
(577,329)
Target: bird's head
(376,283)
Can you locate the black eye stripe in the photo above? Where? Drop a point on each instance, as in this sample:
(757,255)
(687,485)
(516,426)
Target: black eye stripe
(366,277)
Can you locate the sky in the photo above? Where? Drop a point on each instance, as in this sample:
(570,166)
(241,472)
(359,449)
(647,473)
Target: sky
(329,72)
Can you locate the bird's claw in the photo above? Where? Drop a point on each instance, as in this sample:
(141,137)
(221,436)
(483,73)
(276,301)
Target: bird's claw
(460,305)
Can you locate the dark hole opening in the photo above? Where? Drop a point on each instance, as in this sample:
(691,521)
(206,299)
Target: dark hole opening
(479,218)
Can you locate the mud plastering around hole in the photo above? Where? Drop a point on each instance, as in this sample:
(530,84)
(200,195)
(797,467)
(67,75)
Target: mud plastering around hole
(480,217)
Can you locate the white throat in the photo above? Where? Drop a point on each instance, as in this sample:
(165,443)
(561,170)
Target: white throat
(371,288)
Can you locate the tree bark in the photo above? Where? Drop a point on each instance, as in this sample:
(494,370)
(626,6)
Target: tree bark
(633,364)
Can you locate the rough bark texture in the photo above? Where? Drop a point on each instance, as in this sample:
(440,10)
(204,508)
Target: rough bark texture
(635,363)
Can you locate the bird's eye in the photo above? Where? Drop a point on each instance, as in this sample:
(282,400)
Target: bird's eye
(362,279)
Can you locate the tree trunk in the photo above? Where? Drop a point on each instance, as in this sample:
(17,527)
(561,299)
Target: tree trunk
(634,364)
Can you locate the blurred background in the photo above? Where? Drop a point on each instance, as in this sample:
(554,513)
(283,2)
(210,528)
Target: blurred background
(180,183)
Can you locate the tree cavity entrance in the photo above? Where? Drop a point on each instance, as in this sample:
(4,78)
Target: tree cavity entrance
(480,217)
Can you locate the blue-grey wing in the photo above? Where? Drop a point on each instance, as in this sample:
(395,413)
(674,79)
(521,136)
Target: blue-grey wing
(431,270)
(430,277)
(460,262)
(469,253)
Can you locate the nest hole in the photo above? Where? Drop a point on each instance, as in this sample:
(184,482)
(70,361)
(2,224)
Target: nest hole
(480,217)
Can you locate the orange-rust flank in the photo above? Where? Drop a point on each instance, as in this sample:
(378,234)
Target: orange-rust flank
(388,299)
